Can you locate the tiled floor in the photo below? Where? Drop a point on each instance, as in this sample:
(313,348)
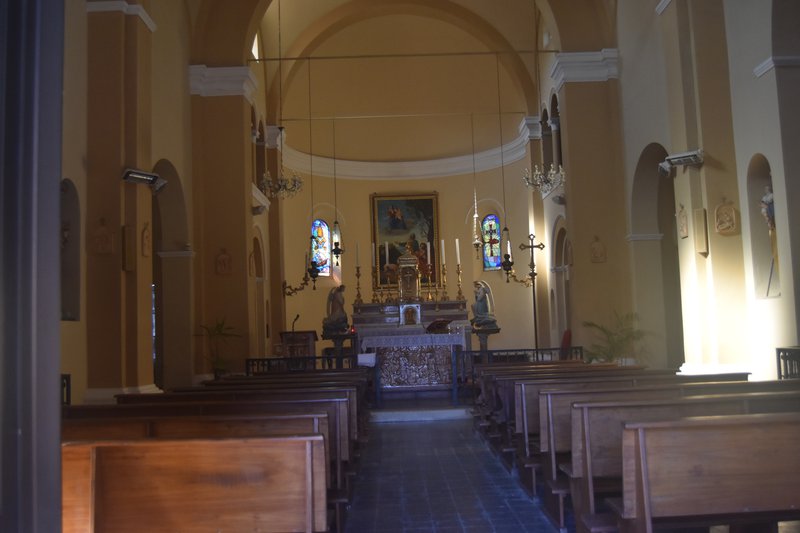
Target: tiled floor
(437,476)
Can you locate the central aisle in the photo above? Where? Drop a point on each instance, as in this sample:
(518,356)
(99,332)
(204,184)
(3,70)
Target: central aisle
(437,476)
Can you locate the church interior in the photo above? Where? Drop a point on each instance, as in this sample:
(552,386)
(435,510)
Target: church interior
(222,178)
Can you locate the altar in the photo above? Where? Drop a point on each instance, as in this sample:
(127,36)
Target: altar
(408,357)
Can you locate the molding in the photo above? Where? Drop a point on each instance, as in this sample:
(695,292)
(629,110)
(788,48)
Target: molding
(513,151)
(122,6)
(271,134)
(176,254)
(222,81)
(632,237)
(259,198)
(585,67)
(106,396)
(774,62)
(662,6)
(532,126)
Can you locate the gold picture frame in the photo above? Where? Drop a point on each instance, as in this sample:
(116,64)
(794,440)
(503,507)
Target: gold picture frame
(402,222)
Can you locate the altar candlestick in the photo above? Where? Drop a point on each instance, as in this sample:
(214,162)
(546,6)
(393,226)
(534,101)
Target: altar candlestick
(458,253)
(442,261)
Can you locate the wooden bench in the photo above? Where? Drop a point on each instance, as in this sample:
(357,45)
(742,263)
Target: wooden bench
(349,394)
(336,409)
(709,471)
(213,426)
(596,456)
(271,484)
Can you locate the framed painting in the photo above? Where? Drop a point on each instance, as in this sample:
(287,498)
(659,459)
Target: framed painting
(403,222)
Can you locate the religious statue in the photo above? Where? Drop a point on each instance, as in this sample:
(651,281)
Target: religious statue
(336,321)
(483,308)
(768,207)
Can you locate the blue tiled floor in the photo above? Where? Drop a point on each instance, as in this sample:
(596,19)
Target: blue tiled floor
(437,477)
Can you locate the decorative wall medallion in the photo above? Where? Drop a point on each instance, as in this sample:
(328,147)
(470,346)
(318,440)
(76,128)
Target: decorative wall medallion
(726,219)
(597,251)
(147,241)
(683,223)
(103,239)
(223,262)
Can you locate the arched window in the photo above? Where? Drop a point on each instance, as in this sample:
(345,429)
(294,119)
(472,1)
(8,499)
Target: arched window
(321,246)
(490,230)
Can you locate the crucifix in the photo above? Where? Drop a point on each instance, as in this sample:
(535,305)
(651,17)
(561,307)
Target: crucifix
(532,276)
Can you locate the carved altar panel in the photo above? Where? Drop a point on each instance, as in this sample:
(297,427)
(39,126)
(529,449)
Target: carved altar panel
(415,366)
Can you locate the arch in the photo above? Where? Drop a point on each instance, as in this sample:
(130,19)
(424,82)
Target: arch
(763,233)
(561,259)
(260,317)
(654,251)
(555,130)
(447,11)
(70,252)
(173,345)
(547,139)
(785,14)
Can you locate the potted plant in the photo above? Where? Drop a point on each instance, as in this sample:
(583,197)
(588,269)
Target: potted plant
(217,335)
(617,342)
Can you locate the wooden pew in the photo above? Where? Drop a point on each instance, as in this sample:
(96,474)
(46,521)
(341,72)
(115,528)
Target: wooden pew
(266,484)
(336,410)
(710,470)
(183,427)
(349,394)
(596,457)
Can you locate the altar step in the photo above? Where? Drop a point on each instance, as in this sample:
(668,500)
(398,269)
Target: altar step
(419,410)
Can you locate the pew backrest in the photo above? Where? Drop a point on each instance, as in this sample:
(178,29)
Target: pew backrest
(702,466)
(267,484)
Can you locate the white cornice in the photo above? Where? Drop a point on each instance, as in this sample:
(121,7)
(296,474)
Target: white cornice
(774,62)
(662,6)
(644,237)
(106,6)
(222,81)
(388,170)
(259,198)
(532,126)
(572,67)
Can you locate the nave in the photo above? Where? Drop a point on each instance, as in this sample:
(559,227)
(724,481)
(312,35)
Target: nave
(437,476)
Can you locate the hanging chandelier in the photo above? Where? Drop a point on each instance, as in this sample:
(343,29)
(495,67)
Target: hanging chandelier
(544,182)
(282,187)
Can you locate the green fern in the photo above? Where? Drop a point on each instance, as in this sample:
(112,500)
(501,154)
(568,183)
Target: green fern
(217,334)
(617,341)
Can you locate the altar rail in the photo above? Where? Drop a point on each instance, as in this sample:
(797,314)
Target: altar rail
(265,365)
(519,355)
(788,360)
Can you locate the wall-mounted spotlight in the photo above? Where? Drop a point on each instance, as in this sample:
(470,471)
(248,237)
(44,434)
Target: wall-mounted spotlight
(693,158)
(155,181)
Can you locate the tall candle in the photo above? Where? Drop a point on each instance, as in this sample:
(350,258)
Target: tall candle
(428,252)
(386,247)
(357,254)
(373,255)
(458,254)
(508,247)
(443,261)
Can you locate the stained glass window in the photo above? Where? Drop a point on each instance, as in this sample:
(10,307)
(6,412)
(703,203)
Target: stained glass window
(321,246)
(490,231)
